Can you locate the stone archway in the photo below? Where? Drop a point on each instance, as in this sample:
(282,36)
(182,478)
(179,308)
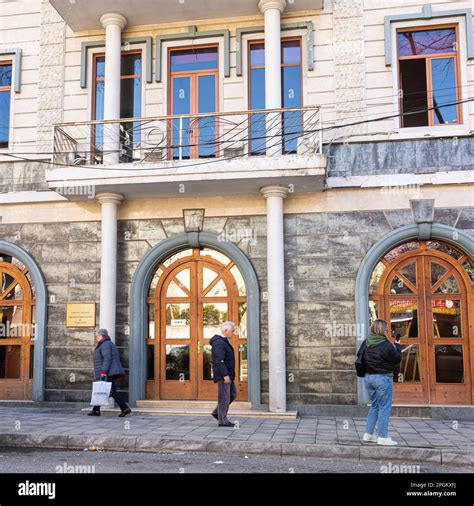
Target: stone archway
(399,236)
(38,281)
(139,290)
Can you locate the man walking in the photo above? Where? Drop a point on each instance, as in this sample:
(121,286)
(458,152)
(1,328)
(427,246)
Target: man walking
(223,366)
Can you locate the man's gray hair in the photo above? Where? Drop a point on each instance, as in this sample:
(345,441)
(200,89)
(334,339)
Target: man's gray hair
(102,332)
(227,325)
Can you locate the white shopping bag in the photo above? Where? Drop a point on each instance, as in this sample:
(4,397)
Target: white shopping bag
(100,393)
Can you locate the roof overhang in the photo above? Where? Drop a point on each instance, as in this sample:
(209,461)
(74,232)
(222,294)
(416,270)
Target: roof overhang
(83,15)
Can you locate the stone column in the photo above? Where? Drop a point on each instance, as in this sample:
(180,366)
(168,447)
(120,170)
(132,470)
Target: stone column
(274,196)
(271,10)
(108,260)
(113,23)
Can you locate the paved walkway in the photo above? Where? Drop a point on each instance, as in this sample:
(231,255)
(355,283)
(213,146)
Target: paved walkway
(339,437)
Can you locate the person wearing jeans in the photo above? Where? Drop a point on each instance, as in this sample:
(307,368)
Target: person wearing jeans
(379,388)
(381,356)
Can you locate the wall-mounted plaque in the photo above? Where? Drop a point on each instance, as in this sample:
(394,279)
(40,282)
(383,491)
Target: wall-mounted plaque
(80,315)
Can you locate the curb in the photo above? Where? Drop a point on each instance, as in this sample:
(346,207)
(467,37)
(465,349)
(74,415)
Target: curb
(440,456)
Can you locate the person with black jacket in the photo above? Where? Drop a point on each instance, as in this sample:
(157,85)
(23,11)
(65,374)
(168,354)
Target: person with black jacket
(381,355)
(223,367)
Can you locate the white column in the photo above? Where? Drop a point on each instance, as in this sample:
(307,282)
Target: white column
(108,260)
(274,196)
(113,23)
(272,10)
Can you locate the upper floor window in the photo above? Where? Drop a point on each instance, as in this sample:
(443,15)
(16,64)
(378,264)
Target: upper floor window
(291,89)
(5,95)
(130,104)
(194,80)
(429,77)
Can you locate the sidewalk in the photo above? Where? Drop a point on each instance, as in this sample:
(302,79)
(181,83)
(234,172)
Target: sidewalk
(420,440)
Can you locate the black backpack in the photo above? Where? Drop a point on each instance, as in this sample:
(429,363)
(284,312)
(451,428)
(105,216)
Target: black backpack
(359,363)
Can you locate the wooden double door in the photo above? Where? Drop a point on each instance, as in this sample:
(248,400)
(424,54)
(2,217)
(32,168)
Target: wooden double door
(16,330)
(193,296)
(426,295)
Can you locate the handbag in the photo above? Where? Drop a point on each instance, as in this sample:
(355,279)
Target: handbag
(101,393)
(359,363)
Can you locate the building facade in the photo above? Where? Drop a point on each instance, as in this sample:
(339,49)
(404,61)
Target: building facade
(299,167)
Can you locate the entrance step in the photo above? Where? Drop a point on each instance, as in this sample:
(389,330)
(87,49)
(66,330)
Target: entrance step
(191,405)
(199,408)
(433,411)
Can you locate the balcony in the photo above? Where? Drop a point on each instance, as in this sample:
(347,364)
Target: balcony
(214,154)
(85,14)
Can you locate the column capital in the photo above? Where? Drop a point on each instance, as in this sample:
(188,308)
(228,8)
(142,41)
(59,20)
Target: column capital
(110,198)
(113,18)
(274,191)
(264,5)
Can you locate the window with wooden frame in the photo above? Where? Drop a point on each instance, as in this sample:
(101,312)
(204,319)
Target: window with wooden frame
(291,90)
(6,68)
(130,105)
(428,72)
(193,89)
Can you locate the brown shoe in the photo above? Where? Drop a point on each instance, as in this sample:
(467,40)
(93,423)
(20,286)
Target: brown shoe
(125,412)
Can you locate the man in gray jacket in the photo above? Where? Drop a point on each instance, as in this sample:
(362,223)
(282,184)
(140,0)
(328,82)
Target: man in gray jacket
(107,367)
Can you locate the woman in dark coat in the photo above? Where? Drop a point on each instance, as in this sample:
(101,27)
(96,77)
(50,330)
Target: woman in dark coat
(382,354)
(107,367)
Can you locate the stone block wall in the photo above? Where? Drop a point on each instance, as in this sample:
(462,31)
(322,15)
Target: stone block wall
(420,156)
(16,176)
(51,75)
(322,254)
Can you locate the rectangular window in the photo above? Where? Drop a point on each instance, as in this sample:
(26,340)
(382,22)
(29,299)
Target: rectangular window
(291,89)
(429,77)
(130,105)
(193,90)
(5,96)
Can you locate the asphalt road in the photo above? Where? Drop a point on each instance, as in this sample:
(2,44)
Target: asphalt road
(24,460)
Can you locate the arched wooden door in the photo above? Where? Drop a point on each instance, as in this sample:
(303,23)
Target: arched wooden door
(16,330)
(425,291)
(191,295)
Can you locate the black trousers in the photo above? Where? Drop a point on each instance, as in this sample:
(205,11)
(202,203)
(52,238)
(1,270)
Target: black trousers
(226,394)
(116,395)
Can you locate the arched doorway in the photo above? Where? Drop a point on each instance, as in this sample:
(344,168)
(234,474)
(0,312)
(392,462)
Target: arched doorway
(17,317)
(190,295)
(425,290)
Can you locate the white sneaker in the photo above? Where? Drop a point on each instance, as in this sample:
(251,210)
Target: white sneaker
(370,438)
(386,441)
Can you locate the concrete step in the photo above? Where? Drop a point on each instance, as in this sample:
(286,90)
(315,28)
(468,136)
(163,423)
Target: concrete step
(190,404)
(246,413)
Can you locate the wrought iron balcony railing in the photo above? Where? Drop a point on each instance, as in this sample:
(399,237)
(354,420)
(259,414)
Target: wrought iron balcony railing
(174,140)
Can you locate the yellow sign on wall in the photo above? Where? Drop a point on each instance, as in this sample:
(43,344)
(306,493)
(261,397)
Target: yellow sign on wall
(80,315)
